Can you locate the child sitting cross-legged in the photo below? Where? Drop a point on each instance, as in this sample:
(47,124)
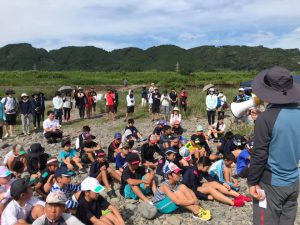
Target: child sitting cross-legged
(213,189)
(68,157)
(171,195)
(121,158)
(103,173)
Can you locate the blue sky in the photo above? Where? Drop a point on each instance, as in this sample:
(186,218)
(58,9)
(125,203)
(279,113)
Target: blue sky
(114,24)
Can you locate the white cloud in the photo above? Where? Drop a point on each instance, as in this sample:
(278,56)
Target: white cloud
(113,24)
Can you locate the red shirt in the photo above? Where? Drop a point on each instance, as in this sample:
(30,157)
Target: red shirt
(109,98)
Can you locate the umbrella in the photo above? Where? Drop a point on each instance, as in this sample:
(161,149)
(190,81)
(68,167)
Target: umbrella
(206,87)
(65,89)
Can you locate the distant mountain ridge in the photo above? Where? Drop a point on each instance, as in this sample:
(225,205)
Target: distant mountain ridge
(24,56)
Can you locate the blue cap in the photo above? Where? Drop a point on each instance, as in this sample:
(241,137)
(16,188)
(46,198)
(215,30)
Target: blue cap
(63,171)
(170,150)
(118,136)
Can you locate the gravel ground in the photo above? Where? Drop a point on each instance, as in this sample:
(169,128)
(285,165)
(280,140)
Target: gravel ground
(104,131)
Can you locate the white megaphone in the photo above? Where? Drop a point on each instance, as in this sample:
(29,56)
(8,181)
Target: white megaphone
(238,109)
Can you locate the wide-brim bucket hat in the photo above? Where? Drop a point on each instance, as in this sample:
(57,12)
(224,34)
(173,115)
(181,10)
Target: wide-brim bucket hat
(276,86)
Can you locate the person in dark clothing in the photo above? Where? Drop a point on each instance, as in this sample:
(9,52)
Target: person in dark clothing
(148,150)
(103,173)
(275,155)
(156,104)
(221,145)
(37,158)
(42,99)
(81,101)
(114,148)
(93,94)
(116,101)
(212,189)
(144,96)
(235,145)
(93,208)
(25,111)
(166,137)
(183,99)
(158,130)
(177,129)
(37,111)
(174,98)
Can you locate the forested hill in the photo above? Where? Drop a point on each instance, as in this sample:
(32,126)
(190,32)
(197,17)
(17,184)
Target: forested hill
(161,58)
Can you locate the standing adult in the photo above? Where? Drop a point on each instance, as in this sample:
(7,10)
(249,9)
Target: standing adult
(155,104)
(93,94)
(144,96)
(116,101)
(165,103)
(11,105)
(25,111)
(125,82)
(81,100)
(109,105)
(36,110)
(67,106)
(89,103)
(183,99)
(211,106)
(58,106)
(130,101)
(43,107)
(2,120)
(275,155)
(174,98)
(241,97)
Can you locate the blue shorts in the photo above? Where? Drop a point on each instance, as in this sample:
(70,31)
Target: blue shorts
(166,206)
(128,192)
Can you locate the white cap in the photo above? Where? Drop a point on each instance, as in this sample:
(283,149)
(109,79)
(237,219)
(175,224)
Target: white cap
(91,184)
(211,89)
(56,197)
(24,95)
(241,89)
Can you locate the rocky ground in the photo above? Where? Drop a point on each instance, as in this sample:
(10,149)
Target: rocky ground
(104,131)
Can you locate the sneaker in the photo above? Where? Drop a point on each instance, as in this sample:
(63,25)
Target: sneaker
(238,202)
(111,194)
(245,198)
(203,215)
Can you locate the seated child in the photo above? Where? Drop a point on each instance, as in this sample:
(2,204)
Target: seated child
(5,183)
(63,183)
(148,150)
(21,194)
(136,180)
(171,195)
(103,173)
(16,160)
(222,171)
(93,208)
(68,157)
(170,156)
(121,158)
(235,145)
(216,130)
(175,116)
(135,132)
(88,149)
(243,160)
(212,189)
(46,180)
(177,129)
(166,137)
(114,148)
(128,138)
(158,130)
(221,145)
(37,160)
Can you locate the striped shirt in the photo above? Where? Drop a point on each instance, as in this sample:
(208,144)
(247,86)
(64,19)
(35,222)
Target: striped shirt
(69,190)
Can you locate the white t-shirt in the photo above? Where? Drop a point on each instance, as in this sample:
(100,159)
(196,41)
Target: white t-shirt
(14,212)
(50,124)
(165,100)
(130,101)
(68,219)
(57,102)
(9,105)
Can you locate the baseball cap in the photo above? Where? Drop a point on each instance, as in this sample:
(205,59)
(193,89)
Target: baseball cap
(162,122)
(133,159)
(100,153)
(4,172)
(91,184)
(170,150)
(63,171)
(199,128)
(153,138)
(195,138)
(118,136)
(241,89)
(170,168)
(166,127)
(56,197)
(18,187)
(52,160)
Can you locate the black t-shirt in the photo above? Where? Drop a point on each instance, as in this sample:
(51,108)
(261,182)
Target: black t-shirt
(156,99)
(127,174)
(95,168)
(111,149)
(173,97)
(45,176)
(147,152)
(86,210)
(177,130)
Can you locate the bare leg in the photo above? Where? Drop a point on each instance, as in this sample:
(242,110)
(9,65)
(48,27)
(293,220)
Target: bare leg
(227,174)
(105,179)
(181,195)
(91,157)
(77,161)
(114,174)
(215,194)
(136,190)
(221,188)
